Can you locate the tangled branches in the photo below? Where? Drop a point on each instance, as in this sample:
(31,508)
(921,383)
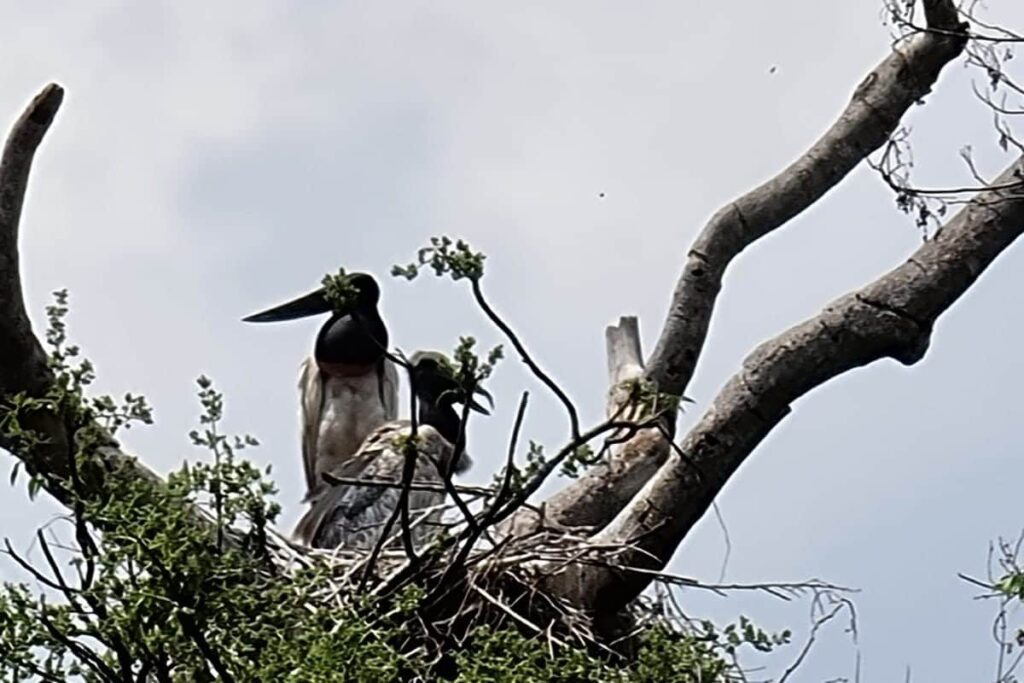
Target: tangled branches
(154,595)
(989,50)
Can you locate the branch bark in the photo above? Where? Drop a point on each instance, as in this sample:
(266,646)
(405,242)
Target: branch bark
(628,466)
(890,317)
(17,343)
(23,363)
(24,368)
(874,112)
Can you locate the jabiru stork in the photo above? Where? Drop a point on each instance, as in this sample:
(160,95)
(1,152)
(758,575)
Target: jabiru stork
(353,516)
(348,387)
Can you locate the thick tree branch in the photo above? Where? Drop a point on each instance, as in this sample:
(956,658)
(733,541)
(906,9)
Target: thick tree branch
(23,363)
(23,368)
(17,343)
(891,317)
(874,112)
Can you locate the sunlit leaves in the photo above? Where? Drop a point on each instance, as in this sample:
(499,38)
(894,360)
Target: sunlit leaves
(146,591)
(339,290)
(445,257)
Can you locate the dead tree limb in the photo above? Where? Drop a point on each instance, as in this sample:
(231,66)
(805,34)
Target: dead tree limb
(601,497)
(874,112)
(24,369)
(23,363)
(902,79)
(891,317)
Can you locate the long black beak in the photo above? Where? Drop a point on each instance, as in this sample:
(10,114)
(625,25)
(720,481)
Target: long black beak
(448,388)
(473,405)
(313,303)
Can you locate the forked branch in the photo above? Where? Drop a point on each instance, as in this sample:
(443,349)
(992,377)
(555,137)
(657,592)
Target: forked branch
(890,318)
(874,112)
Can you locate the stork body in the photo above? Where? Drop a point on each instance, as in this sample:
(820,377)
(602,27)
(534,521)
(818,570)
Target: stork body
(338,413)
(354,516)
(347,387)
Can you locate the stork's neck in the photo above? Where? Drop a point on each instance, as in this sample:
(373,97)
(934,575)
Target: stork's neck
(357,338)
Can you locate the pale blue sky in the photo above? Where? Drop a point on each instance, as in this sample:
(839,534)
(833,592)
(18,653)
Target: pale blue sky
(211,159)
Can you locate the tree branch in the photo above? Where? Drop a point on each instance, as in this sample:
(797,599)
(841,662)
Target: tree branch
(17,343)
(23,363)
(24,368)
(874,112)
(625,354)
(890,317)
(598,494)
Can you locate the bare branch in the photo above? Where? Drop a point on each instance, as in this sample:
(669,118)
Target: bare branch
(990,55)
(524,355)
(599,491)
(941,15)
(891,317)
(23,363)
(837,607)
(625,357)
(17,343)
(877,106)
(24,368)
(874,112)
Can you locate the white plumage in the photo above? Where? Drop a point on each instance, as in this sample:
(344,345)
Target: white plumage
(354,515)
(348,387)
(338,412)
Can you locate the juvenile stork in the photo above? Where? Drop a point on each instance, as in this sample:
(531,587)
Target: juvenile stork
(348,387)
(354,516)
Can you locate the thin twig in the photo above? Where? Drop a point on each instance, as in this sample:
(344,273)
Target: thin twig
(574,420)
(810,641)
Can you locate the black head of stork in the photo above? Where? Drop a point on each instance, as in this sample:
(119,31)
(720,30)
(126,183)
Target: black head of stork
(353,339)
(437,392)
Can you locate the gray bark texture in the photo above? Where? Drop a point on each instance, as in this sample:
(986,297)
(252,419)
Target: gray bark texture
(609,484)
(23,363)
(902,79)
(891,317)
(23,368)
(16,339)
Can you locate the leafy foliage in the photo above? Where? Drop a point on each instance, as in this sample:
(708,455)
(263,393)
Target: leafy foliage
(339,290)
(184,580)
(664,654)
(469,369)
(445,256)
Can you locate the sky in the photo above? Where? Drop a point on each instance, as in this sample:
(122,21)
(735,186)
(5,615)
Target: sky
(210,161)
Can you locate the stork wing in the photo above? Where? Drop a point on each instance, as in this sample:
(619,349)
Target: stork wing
(311,401)
(319,454)
(354,516)
(309,530)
